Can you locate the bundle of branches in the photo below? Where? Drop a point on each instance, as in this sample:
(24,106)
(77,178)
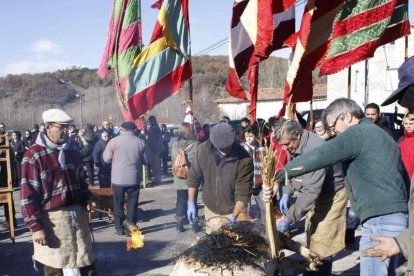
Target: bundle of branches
(233,246)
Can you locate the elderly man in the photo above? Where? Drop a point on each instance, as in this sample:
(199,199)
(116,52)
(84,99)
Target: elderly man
(54,195)
(226,170)
(322,197)
(106,126)
(375,178)
(126,153)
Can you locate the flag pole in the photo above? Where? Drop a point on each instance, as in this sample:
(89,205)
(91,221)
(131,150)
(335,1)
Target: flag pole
(406,48)
(349,82)
(190,92)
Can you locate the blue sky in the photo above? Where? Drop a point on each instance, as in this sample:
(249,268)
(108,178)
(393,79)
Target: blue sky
(47,35)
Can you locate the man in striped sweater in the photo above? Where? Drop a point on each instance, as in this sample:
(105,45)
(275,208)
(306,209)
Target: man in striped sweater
(53,196)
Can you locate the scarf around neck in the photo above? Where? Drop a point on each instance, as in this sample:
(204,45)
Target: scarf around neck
(44,141)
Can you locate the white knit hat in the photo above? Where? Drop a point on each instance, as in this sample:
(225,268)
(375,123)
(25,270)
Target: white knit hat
(55,115)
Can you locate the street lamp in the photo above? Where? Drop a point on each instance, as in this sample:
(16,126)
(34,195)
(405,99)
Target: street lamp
(80,108)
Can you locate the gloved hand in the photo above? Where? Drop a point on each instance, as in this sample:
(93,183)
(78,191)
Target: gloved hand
(232,218)
(191,211)
(283,203)
(283,225)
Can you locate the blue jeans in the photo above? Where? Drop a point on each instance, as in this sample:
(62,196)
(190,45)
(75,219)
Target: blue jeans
(388,225)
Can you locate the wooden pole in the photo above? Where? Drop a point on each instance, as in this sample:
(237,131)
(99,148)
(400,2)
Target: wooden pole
(406,48)
(190,92)
(349,82)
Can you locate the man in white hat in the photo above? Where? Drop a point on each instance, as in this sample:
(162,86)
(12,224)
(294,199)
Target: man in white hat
(53,196)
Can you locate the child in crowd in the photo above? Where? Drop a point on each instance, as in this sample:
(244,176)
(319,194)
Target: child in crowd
(257,152)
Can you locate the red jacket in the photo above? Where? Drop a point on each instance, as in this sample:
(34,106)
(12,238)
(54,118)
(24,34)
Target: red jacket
(407,153)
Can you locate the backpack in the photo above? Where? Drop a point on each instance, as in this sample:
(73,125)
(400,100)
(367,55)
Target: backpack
(181,165)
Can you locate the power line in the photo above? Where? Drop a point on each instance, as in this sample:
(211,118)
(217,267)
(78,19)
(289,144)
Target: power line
(225,40)
(212,46)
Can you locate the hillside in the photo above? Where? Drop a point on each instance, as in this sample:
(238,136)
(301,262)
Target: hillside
(24,97)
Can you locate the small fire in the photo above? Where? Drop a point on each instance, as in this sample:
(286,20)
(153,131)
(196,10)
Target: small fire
(136,240)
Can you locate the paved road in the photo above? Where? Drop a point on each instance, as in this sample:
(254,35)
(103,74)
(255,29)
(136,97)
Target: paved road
(162,242)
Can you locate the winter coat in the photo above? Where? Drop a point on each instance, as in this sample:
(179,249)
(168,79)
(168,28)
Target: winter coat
(154,140)
(179,183)
(126,153)
(383,124)
(376,181)
(407,153)
(88,154)
(226,180)
(98,151)
(18,149)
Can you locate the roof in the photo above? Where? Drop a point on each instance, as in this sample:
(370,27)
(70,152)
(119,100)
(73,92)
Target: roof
(275,94)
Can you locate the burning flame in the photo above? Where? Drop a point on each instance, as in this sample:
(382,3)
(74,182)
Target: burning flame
(136,240)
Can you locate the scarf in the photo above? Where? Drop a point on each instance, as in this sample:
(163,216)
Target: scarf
(44,141)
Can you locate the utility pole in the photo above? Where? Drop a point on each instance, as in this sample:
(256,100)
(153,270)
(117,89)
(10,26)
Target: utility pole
(80,108)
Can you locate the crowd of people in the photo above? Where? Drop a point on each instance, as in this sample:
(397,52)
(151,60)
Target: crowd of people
(346,167)
(228,167)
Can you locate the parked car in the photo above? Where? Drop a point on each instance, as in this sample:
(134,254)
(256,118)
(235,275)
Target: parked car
(173,130)
(236,124)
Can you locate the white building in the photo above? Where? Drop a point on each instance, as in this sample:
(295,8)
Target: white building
(269,102)
(382,81)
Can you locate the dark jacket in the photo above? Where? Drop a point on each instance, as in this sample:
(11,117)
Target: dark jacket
(18,149)
(376,181)
(383,124)
(87,151)
(98,150)
(225,183)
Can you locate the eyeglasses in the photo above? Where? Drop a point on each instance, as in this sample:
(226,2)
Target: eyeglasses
(332,127)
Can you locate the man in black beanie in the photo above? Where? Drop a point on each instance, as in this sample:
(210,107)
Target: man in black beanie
(226,170)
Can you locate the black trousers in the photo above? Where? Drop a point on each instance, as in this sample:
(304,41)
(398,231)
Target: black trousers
(104,176)
(89,171)
(132,193)
(181,204)
(164,161)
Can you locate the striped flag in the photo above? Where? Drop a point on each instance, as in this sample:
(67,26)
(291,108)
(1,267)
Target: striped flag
(258,28)
(124,43)
(309,42)
(160,68)
(357,33)
(336,34)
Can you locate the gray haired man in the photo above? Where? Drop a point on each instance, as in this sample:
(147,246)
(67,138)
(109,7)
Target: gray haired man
(375,178)
(321,196)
